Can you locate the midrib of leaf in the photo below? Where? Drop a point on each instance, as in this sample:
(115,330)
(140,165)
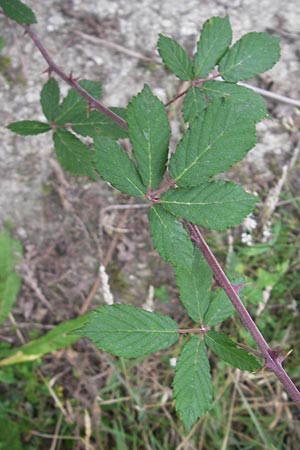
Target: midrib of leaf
(147,330)
(227,348)
(208,53)
(136,187)
(200,156)
(182,67)
(232,124)
(237,64)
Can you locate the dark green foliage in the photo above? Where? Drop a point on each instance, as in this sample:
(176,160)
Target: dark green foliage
(175,58)
(28,127)
(170,238)
(18,11)
(149,133)
(253,54)
(123,330)
(115,166)
(215,39)
(73,155)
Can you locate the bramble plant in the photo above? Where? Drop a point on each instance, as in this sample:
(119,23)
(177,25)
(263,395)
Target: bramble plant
(181,192)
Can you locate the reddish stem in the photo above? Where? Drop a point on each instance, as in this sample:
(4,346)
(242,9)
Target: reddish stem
(53,67)
(273,360)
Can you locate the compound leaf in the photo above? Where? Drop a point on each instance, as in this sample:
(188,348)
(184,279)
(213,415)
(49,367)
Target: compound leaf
(130,332)
(115,166)
(18,11)
(29,127)
(149,133)
(239,95)
(227,350)
(10,280)
(73,155)
(50,99)
(170,238)
(193,104)
(95,123)
(215,38)
(215,141)
(254,53)
(194,287)
(175,58)
(74,106)
(60,337)
(192,382)
(220,308)
(217,205)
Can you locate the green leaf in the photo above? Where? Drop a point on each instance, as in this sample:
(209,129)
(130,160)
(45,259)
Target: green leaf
(18,11)
(215,141)
(149,133)
(50,99)
(239,95)
(170,238)
(74,106)
(220,308)
(193,104)
(10,280)
(1,43)
(29,127)
(95,123)
(73,155)
(227,350)
(194,287)
(127,331)
(115,166)
(215,38)
(175,58)
(192,382)
(217,205)
(60,337)
(254,53)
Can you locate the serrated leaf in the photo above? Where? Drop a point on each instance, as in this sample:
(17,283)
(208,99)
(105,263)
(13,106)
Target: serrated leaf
(10,280)
(74,106)
(170,238)
(215,141)
(149,133)
(239,95)
(220,308)
(192,382)
(73,155)
(95,123)
(193,104)
(217,205)
(253,54)
(115,166)
(215,38)
(29,127)
(175,58)
(18,11)
(50,99)
(60,337)
(227,350)
(194,287)
(130,332)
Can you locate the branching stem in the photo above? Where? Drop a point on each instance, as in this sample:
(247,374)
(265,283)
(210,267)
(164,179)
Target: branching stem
(53,67)
(273,359)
